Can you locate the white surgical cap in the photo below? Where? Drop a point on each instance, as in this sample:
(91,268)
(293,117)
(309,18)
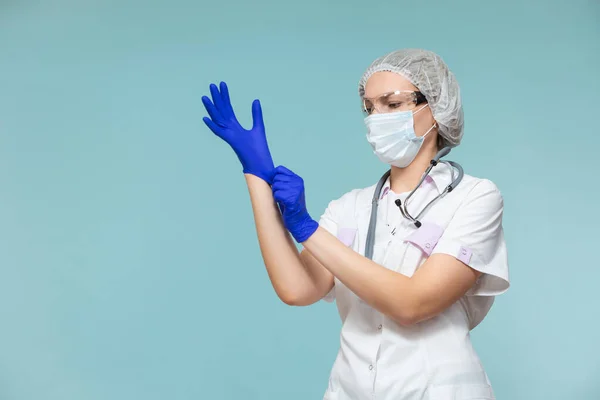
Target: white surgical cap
(428,72)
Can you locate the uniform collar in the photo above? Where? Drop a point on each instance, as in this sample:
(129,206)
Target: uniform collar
(440,177)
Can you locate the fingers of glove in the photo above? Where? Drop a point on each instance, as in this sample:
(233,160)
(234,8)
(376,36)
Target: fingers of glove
(289,203)
(283,187)
(257,116)
(212,111)
(292,189)
(284,171)
(216,129)
(283,178)
(277,186)
(228,108)
(283,193)
(281,206)
(280,196)
(218,100)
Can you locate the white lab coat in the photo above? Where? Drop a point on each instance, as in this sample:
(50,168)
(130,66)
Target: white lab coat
(432,360)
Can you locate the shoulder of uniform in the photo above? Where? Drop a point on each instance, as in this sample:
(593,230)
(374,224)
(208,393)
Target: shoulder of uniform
(480,183)
(473,187)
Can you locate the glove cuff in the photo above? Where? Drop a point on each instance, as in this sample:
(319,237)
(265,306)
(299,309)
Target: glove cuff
(307,228)
(267,177)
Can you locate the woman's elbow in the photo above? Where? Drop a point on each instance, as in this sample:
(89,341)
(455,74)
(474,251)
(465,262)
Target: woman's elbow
(409,315)
(406,319)
(292,301)
(296,299)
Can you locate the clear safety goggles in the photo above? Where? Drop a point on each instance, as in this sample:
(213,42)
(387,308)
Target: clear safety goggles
(399,100)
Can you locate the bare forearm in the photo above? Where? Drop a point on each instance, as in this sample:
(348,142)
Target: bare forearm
(435,286)
(383,289)
(294,282)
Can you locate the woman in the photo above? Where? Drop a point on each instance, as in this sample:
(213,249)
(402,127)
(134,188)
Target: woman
(408,308)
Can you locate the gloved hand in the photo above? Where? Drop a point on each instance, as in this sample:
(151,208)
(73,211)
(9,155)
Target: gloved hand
(288,191)
(249,145)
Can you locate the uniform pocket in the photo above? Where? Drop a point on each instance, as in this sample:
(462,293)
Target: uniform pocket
(461,392)
(426,237)
(347,236)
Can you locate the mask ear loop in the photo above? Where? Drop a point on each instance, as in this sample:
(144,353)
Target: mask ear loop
(419,110)
(432,127)
(429,130)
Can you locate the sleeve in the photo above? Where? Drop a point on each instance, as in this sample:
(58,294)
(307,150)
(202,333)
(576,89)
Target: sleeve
(329,219)
(330,222)
(475,236)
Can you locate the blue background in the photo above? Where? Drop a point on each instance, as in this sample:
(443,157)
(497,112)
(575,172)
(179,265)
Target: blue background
(129,266)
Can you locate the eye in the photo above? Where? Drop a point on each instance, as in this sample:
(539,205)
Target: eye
(395,105)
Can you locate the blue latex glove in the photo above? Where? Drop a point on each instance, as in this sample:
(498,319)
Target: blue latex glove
(249,145)
(288,191)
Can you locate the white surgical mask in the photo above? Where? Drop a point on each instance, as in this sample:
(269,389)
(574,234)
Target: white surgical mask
(392,137)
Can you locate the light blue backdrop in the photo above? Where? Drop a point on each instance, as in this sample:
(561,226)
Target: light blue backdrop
(129,267)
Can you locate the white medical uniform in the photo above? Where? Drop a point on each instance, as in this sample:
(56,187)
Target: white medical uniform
(434,359)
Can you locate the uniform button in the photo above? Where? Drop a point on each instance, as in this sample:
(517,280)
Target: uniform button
(371,367)
(464,251)
(380,326)
(427,245)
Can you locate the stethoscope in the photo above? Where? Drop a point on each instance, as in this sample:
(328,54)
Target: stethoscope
(370,243)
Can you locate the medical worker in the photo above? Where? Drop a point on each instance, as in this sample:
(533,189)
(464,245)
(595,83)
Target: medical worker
(433,273)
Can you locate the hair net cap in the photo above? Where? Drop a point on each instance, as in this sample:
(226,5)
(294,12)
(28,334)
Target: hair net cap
(428,72)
